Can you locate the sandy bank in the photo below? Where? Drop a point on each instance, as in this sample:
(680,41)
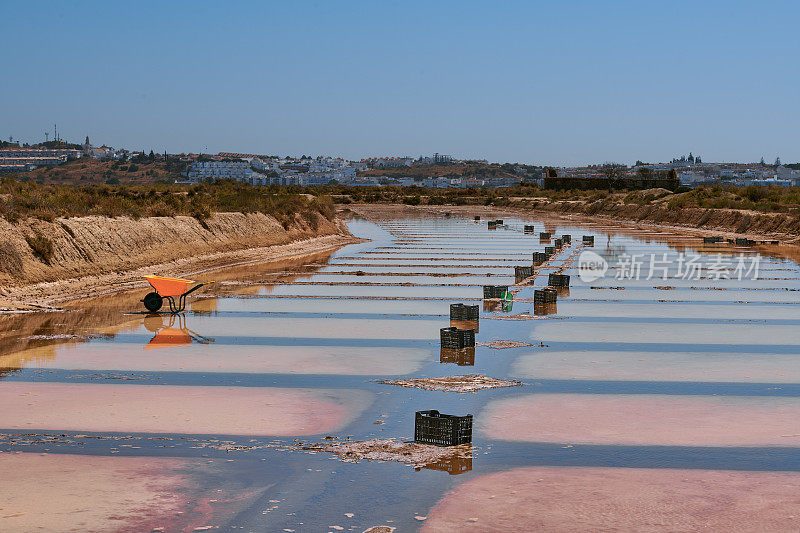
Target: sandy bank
(54,492)
(620,499)
(644,420)
(178,409)
(92,255)
(155,357)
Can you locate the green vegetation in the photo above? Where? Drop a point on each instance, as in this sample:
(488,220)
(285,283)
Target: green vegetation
(47,202)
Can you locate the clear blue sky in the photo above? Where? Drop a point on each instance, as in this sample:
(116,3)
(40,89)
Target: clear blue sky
(555,82)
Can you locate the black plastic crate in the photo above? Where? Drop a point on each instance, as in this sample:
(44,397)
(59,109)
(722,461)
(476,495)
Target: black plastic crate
(523,271)
(452,465)
(558,280)
(545,235)
(494,291)
(458,356)
(558,243)
(549,250)
(566,238)
(741,241)
(466,324)
(542,309)
(477,217)
(588,239)
(545,296)
(539,257)
(457,338)
(713,239)
(528,229)
(464,312)
(499,221)
(433,427)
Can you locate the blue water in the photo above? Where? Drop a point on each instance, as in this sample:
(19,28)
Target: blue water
(316,489)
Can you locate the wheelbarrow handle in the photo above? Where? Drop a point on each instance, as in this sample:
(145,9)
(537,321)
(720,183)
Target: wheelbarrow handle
(190,291)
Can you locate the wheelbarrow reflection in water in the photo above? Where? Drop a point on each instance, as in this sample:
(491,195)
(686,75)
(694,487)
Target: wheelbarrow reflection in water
(174,333)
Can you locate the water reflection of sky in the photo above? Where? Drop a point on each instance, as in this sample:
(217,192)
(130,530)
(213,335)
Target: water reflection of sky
(646,377)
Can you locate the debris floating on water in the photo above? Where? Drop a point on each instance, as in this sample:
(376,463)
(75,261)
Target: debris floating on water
(523,316)
(499,345)
(466,383)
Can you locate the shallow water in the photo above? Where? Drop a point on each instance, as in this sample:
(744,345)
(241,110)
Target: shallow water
(199,411)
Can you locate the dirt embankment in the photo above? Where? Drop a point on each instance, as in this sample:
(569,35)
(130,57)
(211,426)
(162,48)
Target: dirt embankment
(694,220)
(773,225)
(40,258)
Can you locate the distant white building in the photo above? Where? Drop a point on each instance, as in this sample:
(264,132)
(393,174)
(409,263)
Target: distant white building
(292,179)
(787,173)
(773,181)
(265,166)
(212,170)
(44,152)
(687,177)
(387,162)
(24,159)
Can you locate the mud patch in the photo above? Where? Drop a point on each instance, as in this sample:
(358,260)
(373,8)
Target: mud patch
(60,337)
(523,316)
(410,453)
(466,383)
(501,345)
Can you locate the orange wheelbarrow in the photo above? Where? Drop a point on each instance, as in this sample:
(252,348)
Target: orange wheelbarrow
(169,289)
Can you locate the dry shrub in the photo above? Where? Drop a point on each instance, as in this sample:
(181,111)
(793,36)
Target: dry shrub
(311,217)
(41,246)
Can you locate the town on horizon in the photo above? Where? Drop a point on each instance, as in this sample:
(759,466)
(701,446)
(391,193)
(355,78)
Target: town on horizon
(433,171)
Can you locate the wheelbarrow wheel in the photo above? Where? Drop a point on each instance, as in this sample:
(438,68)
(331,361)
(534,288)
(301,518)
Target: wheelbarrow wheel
(153,301)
